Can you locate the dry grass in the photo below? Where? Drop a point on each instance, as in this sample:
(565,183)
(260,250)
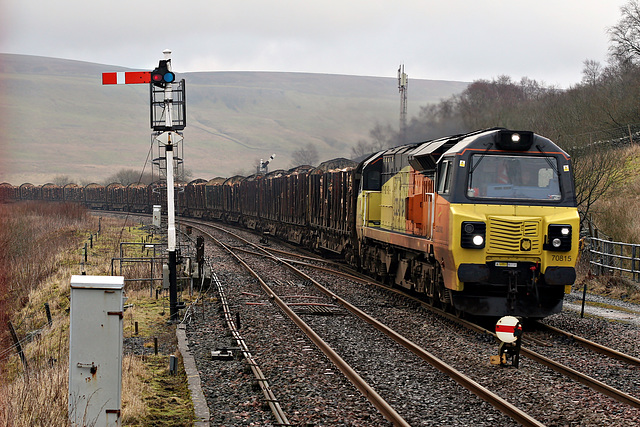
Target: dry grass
(47,380)
(32,235)
(612,286)
(59,249)
(135,378)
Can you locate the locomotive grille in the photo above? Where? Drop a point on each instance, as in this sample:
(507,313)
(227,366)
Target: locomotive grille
(513,235)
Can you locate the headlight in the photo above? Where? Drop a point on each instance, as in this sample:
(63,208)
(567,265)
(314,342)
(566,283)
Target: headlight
(472,234)
(558,238)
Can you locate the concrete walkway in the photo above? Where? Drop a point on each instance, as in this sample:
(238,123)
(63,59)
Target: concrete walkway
(197,396)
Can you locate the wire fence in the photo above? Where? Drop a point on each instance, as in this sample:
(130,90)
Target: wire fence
(620,136)
(608,257)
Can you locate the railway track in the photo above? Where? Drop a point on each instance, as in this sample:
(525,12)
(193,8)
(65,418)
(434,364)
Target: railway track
(589,381)
(586,343)
(532,340)
(376,400)
(545,342)
(384,407)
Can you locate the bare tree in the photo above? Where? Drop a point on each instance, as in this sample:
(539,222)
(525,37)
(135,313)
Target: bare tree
(625,35)
(383,137)
(596,168)
(361,149)
(185,175)
(591,72)
(61,180)
(307,155)
(129,176)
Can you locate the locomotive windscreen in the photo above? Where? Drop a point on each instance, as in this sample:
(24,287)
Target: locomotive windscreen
(514,177)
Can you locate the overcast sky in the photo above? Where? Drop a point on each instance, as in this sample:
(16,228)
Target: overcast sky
(464,40)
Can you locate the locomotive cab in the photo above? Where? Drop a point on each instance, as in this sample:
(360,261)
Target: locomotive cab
(512,238)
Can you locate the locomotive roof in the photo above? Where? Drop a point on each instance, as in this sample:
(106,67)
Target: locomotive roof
(426,155)
(500,139)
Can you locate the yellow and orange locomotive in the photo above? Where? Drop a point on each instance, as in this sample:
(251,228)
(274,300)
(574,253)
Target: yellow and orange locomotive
(484,222)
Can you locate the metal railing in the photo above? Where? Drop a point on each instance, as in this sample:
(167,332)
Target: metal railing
(607,257)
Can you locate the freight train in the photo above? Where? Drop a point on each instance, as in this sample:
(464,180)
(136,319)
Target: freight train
(483,223)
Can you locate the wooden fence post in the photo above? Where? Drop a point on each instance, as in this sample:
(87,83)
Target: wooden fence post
(18,346)
(48,310)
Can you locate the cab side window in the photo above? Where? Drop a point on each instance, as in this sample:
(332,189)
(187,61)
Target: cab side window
(445,170)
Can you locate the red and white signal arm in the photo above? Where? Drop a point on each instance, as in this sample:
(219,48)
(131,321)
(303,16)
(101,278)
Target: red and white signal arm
(508,329)
(126,77)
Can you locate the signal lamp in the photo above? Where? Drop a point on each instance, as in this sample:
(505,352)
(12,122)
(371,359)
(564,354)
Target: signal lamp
(161,76)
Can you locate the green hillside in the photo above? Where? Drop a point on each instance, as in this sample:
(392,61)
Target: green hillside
(58,118)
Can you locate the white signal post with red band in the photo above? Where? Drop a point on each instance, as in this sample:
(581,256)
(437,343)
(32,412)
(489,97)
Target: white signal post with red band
(163,77)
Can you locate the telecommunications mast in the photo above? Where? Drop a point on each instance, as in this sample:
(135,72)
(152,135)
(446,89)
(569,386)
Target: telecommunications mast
(403,86)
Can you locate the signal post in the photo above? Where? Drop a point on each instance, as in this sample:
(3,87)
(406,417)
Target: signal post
(168,119)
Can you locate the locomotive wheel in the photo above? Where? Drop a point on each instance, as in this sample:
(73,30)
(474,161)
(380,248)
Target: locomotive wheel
(447,304)
(451,308)
(434,299)
(459,313)
(437,298)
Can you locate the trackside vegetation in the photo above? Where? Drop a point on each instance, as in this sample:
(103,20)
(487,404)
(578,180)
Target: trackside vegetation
(43,245)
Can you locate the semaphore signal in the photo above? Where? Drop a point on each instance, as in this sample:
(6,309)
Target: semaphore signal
(126,77)
(161,76)
(166,124)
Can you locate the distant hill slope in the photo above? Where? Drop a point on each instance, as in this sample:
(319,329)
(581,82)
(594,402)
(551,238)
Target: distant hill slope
(58,119)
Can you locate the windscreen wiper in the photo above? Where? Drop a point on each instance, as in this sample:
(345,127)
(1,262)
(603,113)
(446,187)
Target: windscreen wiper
(548,160)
